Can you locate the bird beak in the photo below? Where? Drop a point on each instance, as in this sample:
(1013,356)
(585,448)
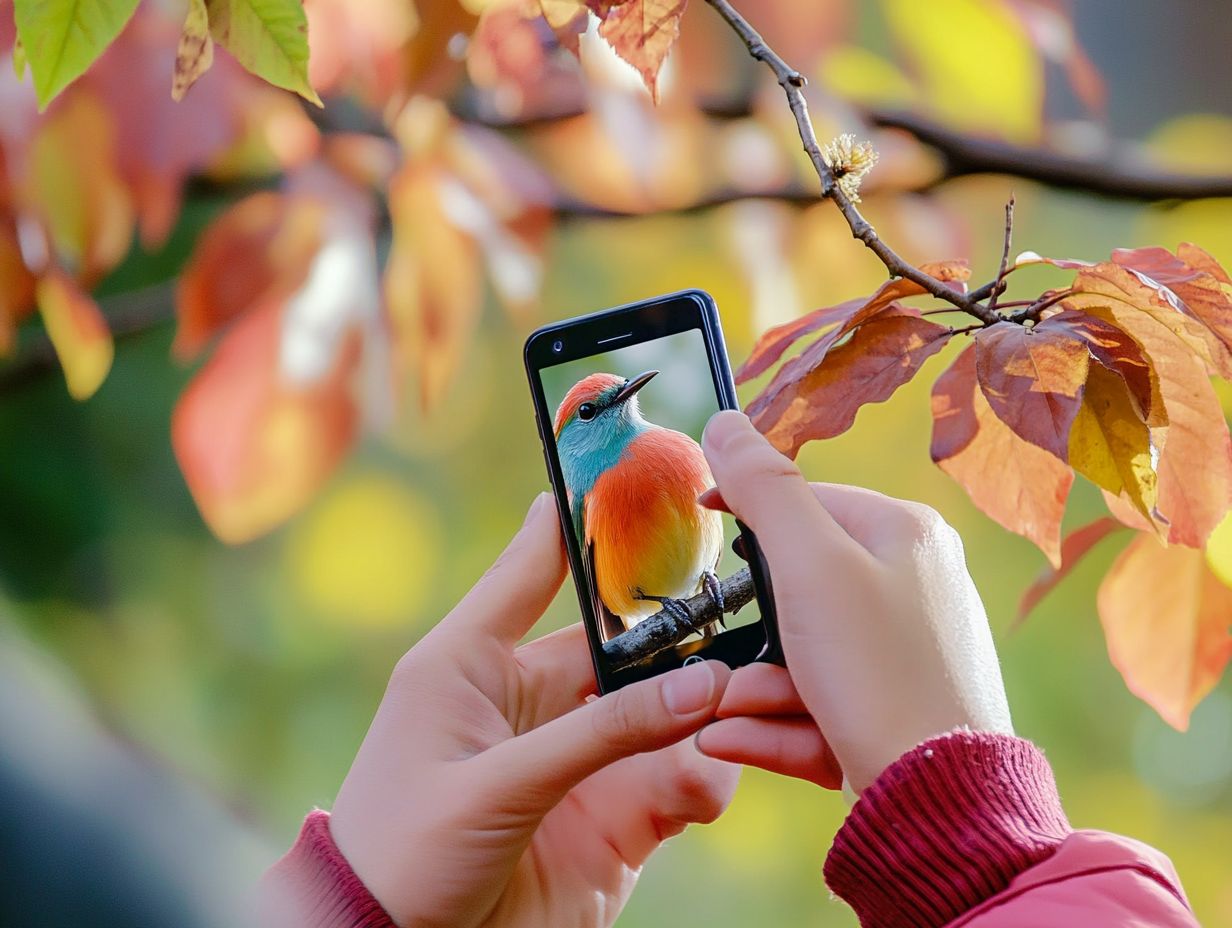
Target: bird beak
(632,386)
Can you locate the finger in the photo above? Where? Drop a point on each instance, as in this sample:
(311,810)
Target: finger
(793,747)
(761,689)
(639,802)
(537,768)
(518,588)
(558,673)
(766,491)
(878,522)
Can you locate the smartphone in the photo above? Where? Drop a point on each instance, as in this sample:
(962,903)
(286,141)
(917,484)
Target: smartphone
(621,397)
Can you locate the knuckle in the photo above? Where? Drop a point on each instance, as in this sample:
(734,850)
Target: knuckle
(620,721)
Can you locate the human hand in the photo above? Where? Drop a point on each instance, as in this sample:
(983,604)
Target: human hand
(885,637)
(488,791)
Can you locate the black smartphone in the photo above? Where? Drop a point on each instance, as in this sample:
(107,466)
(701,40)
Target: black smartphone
(621,398)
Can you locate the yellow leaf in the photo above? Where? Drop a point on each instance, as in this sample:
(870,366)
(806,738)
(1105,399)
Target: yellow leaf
(978,69)
(856,74)
(78,332)
(1110,445)
(1219,550)
(195,53)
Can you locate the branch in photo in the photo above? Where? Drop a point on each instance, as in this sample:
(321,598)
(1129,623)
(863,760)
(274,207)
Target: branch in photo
(663,630)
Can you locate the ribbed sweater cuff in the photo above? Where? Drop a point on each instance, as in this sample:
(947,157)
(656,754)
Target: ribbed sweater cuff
(945,827)
(313,886)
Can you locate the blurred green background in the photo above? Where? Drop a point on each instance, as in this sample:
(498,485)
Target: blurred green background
(253,671)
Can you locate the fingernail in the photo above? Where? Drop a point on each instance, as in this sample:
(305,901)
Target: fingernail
(723,427)
(687,690)
(535,506)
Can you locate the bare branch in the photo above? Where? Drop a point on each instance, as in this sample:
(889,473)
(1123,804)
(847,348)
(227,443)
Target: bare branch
(1032,310)
(792,81)
(998,284)
(662,630)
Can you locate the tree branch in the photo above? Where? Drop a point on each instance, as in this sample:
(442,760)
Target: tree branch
(663,630)
(998,284)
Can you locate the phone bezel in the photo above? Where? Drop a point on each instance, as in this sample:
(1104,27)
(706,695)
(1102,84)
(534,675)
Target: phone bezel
(610,330)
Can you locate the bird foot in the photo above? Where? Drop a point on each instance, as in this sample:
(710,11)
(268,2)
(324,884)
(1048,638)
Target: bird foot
(673,607)
(710,580)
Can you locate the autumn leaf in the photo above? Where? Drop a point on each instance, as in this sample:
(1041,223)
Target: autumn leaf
(881,355)
(1019,486)
(1116,351)
(62,38)
(1110,445)
(775,341)
(16,288)
(1073,549)
(432,278)
(1195,457)
(1165,616)
(257,251)
(568,20)
(642,32)
(1033,381)
(195,52)
(77,330)
(268,37)
(253,447)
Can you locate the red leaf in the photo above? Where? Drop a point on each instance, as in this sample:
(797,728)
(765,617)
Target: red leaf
(1021,487)
(1115,350)
(1195,460)
(883,354)
(1033,381)
(1075,546)
(257,250)
(1165,616)
(775,341)
(253,448)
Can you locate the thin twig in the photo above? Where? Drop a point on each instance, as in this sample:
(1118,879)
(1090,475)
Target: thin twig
(998,285)
(1032,311)
(792,81)
(663,630)
(969,328)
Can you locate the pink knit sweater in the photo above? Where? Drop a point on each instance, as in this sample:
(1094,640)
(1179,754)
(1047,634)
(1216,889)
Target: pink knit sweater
(966,829)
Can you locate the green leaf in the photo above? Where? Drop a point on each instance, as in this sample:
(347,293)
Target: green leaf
(62,38)
(268,37)
(19,60)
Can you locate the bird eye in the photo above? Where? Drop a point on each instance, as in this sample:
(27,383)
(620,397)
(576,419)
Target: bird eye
(587,411)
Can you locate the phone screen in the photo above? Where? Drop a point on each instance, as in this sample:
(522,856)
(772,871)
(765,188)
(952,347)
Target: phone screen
(625,423)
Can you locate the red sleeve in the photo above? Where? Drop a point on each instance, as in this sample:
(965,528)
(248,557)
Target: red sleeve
(313,886)
(967,829)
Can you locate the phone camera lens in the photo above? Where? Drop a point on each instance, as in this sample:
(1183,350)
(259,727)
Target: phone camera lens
(558,346)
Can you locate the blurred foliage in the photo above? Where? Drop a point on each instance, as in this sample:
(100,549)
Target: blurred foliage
(254,670)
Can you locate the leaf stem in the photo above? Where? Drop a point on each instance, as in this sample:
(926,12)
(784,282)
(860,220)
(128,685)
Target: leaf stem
(792,82)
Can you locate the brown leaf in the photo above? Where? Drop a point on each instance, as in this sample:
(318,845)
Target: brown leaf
(257,250)
(1075,546)
(254,449)
(882,355)
(1019,486)
(1195,458)
(1165,616)
(1116,351)
(1033,381)
(776,340)
(195,53)
(642,32)
(1110,445)
(1197,290)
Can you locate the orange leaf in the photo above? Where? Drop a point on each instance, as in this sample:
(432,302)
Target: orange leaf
(16,288)
(1115,350)
(78,332)
(1019,486)
(821,402)
(1165,616)
(1033,381)
(432,279)
(1073,549)
(257,250)
(253,448)
(642,32)
(1195,460)
(775,341)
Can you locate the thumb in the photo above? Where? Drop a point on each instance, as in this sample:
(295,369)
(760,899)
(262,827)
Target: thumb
(766,491)
(538,768)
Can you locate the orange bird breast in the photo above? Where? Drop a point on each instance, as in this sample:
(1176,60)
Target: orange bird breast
(647,531)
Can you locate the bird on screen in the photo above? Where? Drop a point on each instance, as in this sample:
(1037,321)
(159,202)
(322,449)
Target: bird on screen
(633,487)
